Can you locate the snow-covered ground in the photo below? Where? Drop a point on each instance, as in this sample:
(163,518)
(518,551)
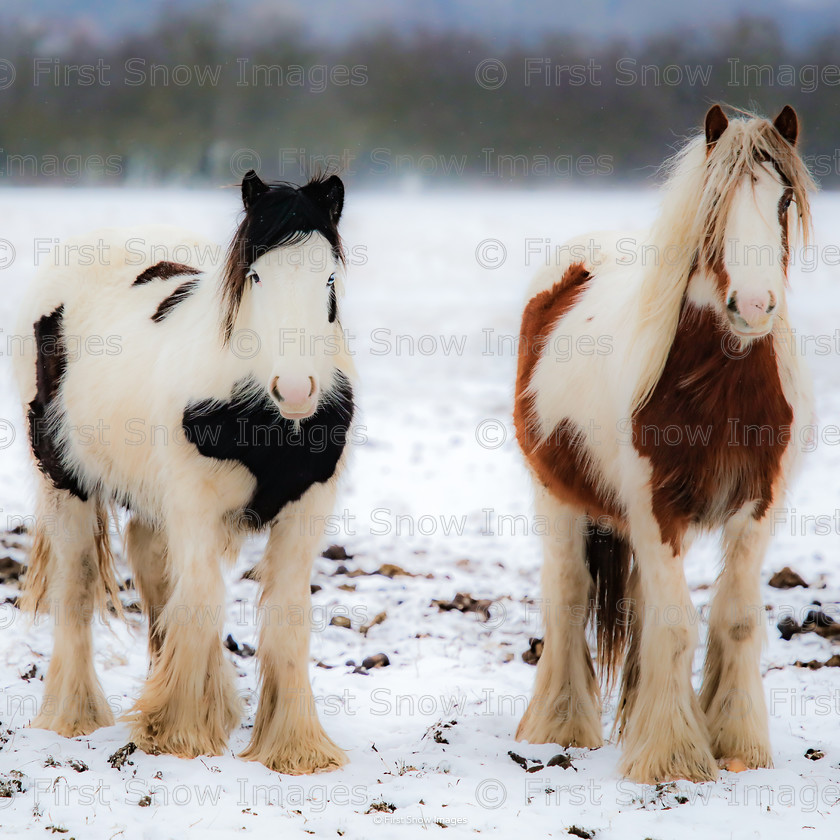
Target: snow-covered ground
(437,488)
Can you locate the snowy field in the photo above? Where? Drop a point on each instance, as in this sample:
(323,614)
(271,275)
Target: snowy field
(435,488)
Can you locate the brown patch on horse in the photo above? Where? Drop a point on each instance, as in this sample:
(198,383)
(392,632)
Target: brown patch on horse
(560,460)
(163,271)
(715,428)
(178,296)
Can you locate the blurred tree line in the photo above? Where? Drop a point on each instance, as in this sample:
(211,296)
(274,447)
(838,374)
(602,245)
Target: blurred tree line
(187,103)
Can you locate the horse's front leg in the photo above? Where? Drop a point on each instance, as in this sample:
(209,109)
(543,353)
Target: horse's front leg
(732,695)
(189,703)
(663,728)
(287,735)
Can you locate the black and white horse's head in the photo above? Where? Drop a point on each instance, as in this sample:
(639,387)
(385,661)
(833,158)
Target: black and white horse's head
(283,281)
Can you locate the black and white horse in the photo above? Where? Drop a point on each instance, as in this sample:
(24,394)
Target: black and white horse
(221,404)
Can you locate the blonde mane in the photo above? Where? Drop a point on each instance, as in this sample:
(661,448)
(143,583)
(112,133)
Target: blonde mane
(698,194)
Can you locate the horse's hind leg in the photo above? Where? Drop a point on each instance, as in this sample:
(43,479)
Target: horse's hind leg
(732,695)
(287,735)
(146,550)
(70,569)
(565,708)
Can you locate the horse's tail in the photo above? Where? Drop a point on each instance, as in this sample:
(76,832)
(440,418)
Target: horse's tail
(40,569)
(609,557)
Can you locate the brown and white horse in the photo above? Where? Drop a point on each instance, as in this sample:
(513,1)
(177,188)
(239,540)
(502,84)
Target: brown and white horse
(690,423)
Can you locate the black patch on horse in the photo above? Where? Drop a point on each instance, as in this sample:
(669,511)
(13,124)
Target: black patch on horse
(50,364)
(285,461)
(333,313)
(178,296)
(163,271)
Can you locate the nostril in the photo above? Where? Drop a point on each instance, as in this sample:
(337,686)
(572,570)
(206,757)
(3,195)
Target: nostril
(731,305)
(275,391)
(312,385)
(772,304)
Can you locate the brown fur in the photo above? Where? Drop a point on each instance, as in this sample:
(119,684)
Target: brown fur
(701,389)
(163,271)
(559,461)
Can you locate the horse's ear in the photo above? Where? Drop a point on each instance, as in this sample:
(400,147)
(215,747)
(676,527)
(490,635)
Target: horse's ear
(716,123)
(787,124)
(252,188)
(329,195)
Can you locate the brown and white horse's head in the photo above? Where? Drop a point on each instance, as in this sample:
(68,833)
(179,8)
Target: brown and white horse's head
(283,281)
(755,191)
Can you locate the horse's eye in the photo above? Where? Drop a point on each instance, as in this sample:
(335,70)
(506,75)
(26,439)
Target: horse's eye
(786,202)
(253,277)
(331,279)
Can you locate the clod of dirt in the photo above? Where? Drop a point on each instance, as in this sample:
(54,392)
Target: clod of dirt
(340,621)
(788,627)
(381,806)
(464,602)
(336,552)
(529,765)
(314,587)
(534,652)
(814,754)
(10,785)
(145,801)
(244,650)
(30,673)
(560,760)
(814,664)
(10,570)
(576,831)
(378,660)
(120,757)
(78,766)
(787,579)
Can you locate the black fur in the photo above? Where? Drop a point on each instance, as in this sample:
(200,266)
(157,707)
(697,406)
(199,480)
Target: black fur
(178,296)
(50,365)
(285,463)
(333,313)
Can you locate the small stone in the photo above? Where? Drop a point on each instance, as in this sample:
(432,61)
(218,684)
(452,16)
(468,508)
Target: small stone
(350,663)
(814,754)
(787,579)
(534,652)
(340,621)
(336,552)
(788,627)
(378,660)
